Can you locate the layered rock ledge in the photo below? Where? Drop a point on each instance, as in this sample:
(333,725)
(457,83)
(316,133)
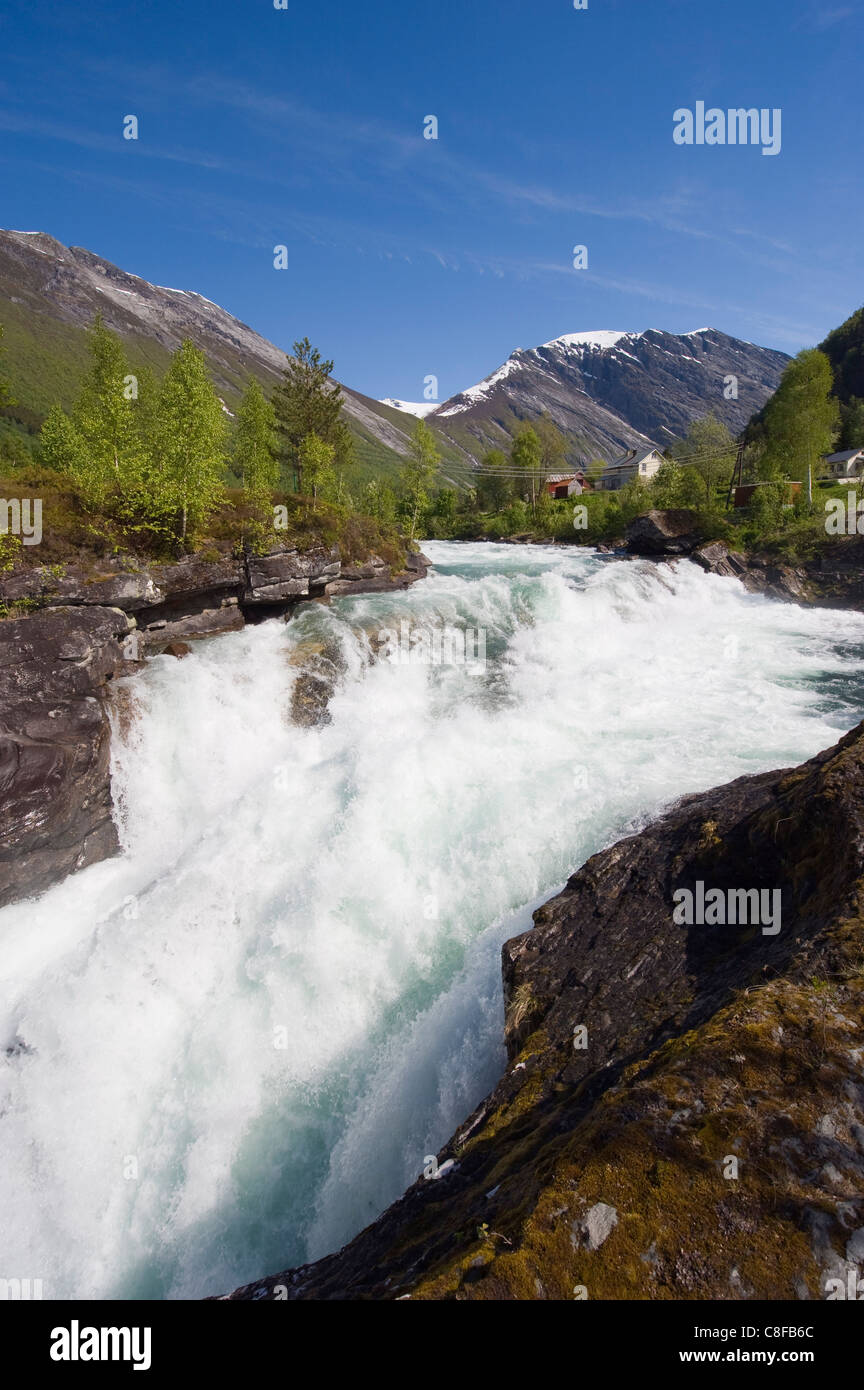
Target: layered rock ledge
(81,628)
(703,1138)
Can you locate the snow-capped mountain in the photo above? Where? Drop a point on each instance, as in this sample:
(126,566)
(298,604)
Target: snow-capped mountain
(610,391)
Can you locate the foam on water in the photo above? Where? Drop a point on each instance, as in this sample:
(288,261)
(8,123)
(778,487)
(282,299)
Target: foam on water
(235,1043)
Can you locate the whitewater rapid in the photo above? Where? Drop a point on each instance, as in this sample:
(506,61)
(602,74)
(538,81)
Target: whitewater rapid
(233,1045)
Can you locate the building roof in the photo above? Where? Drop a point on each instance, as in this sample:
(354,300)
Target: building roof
(632,457)
(844,457)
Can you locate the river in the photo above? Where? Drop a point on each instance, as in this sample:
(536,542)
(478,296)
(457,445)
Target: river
(235,1044)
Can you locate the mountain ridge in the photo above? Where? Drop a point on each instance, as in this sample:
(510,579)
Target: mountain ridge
(609,391)
(606,390)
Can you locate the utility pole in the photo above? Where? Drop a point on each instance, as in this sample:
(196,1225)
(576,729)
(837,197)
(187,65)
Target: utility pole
(737,474)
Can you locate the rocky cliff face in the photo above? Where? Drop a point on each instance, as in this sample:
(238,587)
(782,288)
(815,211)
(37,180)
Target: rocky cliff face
(83,627)
(55,798)
(683,1111)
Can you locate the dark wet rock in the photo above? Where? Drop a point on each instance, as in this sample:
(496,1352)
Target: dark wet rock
(177,649)
(55,796)
(762,574)
(418,563)
(716,558)
(673,532)
(321,668)
(688,1120)
(210,622)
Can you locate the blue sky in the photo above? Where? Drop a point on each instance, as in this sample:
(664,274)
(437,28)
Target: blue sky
(409,257)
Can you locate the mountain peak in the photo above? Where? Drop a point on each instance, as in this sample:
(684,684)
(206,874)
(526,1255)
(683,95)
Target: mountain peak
(598,338)
(611,390)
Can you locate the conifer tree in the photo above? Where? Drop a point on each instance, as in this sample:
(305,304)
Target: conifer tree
(307,402)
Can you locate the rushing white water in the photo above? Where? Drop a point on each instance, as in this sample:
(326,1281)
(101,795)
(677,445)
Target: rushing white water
(237,1041)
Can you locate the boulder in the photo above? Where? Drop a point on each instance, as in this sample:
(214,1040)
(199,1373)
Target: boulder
(673,532)
(321,667)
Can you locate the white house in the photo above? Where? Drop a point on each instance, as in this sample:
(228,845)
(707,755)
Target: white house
(636,463)
(845,467)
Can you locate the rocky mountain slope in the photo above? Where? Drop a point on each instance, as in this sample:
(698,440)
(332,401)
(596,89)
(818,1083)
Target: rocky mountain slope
(614,391)
(49,293)
(607,391)
(682,1116)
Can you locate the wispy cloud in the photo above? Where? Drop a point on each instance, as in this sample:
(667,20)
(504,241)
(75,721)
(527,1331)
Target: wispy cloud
(819,17)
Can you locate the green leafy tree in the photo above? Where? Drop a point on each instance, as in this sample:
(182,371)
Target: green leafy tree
(494,486)
(553,446)
(418,474)
(709,449)
(306,403)
(526,455)
(62,448)
(801,418)
(145,410)
(379,500)
(254,459)
(315,458)
(104,418)
(190,443)
(442,514)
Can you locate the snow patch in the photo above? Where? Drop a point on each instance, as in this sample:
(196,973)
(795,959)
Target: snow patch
(599,338)
(476,393)
(419,408)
